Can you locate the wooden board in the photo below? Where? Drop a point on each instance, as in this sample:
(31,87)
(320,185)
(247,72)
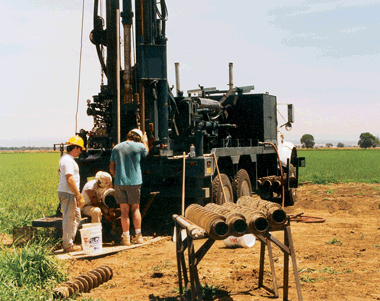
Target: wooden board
(107,250)
(56,221)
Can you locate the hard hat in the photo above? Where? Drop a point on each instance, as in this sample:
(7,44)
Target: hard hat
(76,140)
(104,179)
(138,132)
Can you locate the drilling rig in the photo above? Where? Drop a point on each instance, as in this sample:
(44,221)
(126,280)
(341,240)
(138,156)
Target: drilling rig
(235,140)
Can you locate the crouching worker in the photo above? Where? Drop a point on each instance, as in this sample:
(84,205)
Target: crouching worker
(92,194)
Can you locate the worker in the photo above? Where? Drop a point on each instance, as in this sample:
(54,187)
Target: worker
(125,167)
(92,194)
(70,198)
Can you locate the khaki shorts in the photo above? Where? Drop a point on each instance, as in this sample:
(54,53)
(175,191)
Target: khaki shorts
(128,194)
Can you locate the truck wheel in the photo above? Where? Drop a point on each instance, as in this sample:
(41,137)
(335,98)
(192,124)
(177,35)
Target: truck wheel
(217,195)
(241,184)
(290,197)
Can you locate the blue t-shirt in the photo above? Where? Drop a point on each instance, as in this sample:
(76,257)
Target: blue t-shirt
(127,156)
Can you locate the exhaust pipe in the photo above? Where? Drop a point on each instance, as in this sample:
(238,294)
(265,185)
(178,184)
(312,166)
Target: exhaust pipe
(177,80)
(230,84)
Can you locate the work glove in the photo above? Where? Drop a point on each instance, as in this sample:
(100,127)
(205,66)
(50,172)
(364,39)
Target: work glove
(80,201)
(108,213)
(144,138)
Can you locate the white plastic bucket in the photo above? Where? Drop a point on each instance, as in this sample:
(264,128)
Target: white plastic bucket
(245,241)
(91,235)
(91,225)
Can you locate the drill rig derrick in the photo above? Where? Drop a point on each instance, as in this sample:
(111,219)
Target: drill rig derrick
(228,123)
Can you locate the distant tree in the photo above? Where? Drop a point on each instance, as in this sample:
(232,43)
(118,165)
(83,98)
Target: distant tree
(329,145)
(307,141)
(367,140)
(340,144)
(377,141)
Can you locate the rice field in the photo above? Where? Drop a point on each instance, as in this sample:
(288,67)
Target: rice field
(325,166)
(28,187)
(28,190)
(29,180)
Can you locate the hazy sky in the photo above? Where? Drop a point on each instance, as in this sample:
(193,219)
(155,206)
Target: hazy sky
(322,56)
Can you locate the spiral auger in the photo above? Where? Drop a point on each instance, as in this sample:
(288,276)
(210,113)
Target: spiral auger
(84,283)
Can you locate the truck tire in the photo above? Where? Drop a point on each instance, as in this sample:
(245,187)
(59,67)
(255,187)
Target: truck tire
(217,196)
(241,184)
(290,197)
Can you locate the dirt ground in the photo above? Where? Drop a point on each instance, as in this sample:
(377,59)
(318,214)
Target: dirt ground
(337,259)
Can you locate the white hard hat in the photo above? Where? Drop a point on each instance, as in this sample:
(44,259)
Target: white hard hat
(104,179)
(138,132)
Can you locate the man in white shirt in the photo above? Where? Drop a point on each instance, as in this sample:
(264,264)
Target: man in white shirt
(68,193)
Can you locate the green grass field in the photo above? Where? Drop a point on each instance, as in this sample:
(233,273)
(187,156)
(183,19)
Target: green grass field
(28,190)
(29,180)
(28,187)
(325,166)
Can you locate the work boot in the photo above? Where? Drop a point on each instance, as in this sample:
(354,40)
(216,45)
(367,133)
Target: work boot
(73,248)
(139,239)
(125,240)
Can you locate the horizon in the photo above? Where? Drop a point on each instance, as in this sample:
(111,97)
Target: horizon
(50,142)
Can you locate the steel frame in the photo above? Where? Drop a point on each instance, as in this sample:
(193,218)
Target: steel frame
(193,289)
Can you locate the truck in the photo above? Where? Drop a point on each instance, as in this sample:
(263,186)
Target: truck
(206,145)
(233,129)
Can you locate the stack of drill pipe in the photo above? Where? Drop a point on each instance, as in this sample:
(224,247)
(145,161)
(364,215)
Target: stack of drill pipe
(256,220)
(193,230)
(273,211)
(235,221)
(270,183)
(273,183)
(214,224)
(84,283)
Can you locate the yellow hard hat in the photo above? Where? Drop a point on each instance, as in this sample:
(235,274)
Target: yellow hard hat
(76,140)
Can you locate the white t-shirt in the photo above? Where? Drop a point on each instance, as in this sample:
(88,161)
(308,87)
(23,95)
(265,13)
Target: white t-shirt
(67,165)
(92,186)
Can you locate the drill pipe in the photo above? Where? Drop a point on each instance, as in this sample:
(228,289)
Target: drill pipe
(256,220)
(268,185)
(274,212)
(193,230)
(84,283)
(214,224)
(273,183)
(235,221)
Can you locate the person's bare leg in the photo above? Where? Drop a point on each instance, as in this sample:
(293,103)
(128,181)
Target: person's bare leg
(136,216)
(125,222)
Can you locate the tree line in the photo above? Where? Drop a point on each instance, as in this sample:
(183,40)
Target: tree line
(366,140)
(24,148)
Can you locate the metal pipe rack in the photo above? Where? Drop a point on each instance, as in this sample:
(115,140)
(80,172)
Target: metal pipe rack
(190,281)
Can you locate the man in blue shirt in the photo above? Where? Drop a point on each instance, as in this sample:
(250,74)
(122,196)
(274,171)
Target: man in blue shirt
(126,169)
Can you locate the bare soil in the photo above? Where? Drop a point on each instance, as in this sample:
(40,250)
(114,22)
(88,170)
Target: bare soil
(337,259)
